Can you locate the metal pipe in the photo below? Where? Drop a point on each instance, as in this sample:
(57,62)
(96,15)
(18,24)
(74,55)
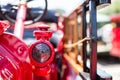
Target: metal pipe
(21,15)
(84,28)
(93,42)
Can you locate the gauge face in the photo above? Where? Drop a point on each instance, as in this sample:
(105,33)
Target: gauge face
(41,52)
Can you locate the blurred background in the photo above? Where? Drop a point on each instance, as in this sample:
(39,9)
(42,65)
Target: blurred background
(108,33)
(109,39)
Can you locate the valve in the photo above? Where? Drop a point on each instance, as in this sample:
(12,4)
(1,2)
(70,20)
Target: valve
(41,52)
(42,32)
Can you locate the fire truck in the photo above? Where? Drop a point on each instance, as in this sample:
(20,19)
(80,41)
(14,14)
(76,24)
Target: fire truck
(58,48)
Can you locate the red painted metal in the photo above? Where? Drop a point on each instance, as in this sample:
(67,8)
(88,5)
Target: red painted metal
(16,60)
(17,64)
(15,55)
(42,36)
(42,32)
(13,59)
(3,27)
(50,59)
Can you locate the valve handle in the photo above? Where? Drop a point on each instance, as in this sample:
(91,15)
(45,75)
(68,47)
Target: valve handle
(43,32)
